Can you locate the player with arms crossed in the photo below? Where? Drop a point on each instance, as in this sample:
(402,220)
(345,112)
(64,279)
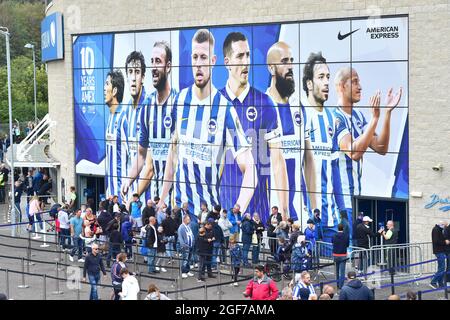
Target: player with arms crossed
(259,122)
(156,128)
(295,140)
(206,125)
(117,153)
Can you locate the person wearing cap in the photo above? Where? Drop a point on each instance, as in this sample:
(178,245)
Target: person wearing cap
(318,223)
(300,257)
(363,237)
(355,290)
(310,234)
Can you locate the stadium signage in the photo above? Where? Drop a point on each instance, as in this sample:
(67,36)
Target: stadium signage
(435,200)
(52,38)
(383,32)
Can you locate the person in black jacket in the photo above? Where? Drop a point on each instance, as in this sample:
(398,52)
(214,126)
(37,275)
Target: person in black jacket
(218,243)
(355,290)
(364,235)
(205,242)
(152,244)
(149,210)
(390,238)
(259,229)
(92,266)
(170,226)
(440,248)
(248,228)
(340,246)
(115,243)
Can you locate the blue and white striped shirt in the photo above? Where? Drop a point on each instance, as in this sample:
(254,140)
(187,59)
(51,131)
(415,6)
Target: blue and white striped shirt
(134,128)
(350,170)
(326,157)
(294,131)
(156,131)
(117,154)
(301,285)
(204,131)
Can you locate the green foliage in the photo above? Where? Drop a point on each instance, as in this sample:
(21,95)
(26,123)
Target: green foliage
(23,19)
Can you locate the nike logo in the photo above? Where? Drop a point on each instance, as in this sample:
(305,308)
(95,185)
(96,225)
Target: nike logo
(342,37)
(182,119)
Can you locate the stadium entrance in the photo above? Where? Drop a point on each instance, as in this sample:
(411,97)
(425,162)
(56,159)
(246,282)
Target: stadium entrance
(91,190)
(382,210)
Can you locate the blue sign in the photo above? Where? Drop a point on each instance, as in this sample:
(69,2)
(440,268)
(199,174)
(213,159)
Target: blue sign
(435,200)
(52,37)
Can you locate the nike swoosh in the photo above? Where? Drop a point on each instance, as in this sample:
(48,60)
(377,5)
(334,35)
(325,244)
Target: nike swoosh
(182,119)
(342,37)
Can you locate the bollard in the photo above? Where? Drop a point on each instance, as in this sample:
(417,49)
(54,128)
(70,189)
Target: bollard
(206,292)
(29,263)
(166,293)
(7,283)
(171,266)
(176,288)
(446,285)
(419,295)
(321,287)
(78,293)
(373,292)
(283,282)
(23,285)
(44,287)
(219,282)
(135,258)
(57,280)
(180,279)
(139,283)
(392,283)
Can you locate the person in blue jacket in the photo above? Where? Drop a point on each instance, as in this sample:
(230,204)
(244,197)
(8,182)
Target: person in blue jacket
(236,260)
(235,218)
(127,236)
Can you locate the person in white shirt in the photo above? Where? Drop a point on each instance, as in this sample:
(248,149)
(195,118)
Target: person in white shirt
(64,226)
(130,286)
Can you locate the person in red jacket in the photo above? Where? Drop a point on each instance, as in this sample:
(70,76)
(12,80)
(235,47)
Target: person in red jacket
(261,287)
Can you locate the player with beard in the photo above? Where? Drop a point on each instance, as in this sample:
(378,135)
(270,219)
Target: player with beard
(135,70)
(156,127)
(206,126)
(295,140)
(321,120)
(117,154)
(363,135)
(259,122)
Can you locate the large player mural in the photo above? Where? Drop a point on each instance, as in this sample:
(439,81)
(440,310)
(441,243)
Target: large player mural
(297,115)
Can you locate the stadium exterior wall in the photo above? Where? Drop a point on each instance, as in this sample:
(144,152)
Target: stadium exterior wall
(429,61)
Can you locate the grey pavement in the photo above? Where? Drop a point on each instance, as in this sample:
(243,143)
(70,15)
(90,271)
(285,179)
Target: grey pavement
(12,250)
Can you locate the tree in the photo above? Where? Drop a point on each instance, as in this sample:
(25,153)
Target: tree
(23,19)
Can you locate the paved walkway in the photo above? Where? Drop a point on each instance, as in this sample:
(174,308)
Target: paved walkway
(47,257)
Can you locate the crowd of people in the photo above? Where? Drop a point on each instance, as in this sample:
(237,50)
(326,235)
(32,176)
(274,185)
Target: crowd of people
(204,241)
